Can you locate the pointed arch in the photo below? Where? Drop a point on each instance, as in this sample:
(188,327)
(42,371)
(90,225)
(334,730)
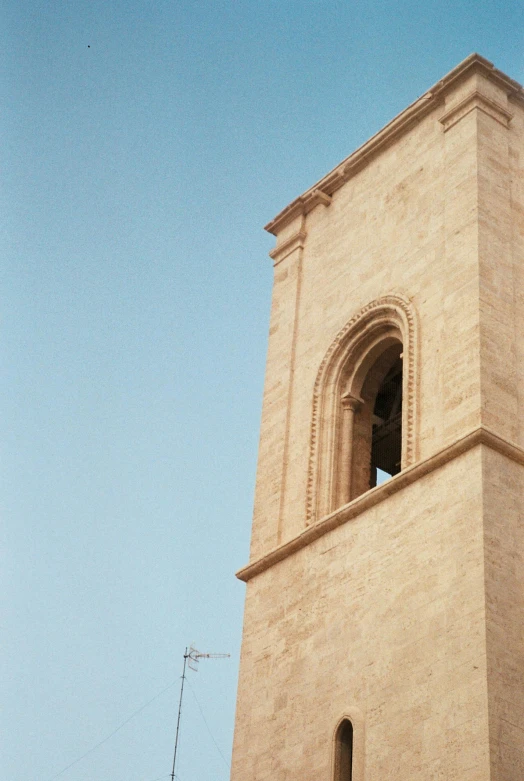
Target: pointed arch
(380,325)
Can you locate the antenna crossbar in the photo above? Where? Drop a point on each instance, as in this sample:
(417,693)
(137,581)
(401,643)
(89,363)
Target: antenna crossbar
(191,658)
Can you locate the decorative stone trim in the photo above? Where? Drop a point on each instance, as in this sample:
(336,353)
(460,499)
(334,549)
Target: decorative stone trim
(478,436)
(317,198)
(350,402)
(476,100)
(389,311)
(294,242)
(398,126)
(305,204)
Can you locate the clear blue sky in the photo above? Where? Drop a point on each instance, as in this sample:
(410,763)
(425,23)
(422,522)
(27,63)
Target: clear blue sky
(144,146)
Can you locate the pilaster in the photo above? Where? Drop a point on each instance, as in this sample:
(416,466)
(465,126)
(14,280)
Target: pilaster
(497,290)
(481,108)
(278,392)
(460,327)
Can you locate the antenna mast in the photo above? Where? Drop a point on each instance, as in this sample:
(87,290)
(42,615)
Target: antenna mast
(191,658)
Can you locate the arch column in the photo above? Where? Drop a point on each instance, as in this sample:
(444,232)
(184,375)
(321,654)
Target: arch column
(350,405)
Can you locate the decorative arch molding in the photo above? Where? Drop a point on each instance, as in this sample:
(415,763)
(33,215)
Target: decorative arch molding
(343,370)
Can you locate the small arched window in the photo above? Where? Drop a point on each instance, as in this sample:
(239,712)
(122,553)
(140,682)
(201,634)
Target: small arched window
(344,751)
(364,406)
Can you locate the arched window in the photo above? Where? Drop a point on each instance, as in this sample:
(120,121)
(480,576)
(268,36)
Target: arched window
(344,751)
(364,406)
(368,440)
(386,436)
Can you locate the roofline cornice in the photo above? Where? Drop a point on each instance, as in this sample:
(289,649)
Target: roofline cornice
(399,125)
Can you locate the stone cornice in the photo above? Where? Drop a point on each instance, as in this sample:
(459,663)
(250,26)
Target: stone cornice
(303,205)
(472,101)
(478,436)
(296,241)
(399,125)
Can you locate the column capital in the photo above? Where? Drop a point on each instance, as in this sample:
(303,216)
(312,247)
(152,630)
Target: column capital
(351,402)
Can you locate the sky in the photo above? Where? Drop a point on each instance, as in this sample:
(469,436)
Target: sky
(144,146)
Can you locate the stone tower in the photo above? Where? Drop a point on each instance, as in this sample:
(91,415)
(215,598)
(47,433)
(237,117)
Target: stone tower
(384,620)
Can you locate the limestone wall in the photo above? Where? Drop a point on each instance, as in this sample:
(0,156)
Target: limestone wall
(403,611)
(438,217)
(383,619)
(503,509)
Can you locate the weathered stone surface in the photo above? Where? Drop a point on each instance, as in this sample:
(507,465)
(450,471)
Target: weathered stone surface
(403,610)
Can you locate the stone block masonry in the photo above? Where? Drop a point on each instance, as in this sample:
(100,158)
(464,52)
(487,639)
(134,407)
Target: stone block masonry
(399,609)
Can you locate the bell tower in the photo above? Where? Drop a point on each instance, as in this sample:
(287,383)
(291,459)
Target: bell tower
(384,620)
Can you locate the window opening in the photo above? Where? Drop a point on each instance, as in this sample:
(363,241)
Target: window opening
(364,415)
(370,438)
(344,752)
(386,437)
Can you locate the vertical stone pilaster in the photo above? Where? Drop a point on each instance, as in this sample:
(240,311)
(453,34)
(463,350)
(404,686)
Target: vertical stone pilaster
(499,398)
(460,345)
(278,391)
(502,480)
(481,109)
(294,314)
(483,387)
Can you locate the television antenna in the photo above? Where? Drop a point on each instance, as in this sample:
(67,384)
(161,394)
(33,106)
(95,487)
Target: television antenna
(191,660)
